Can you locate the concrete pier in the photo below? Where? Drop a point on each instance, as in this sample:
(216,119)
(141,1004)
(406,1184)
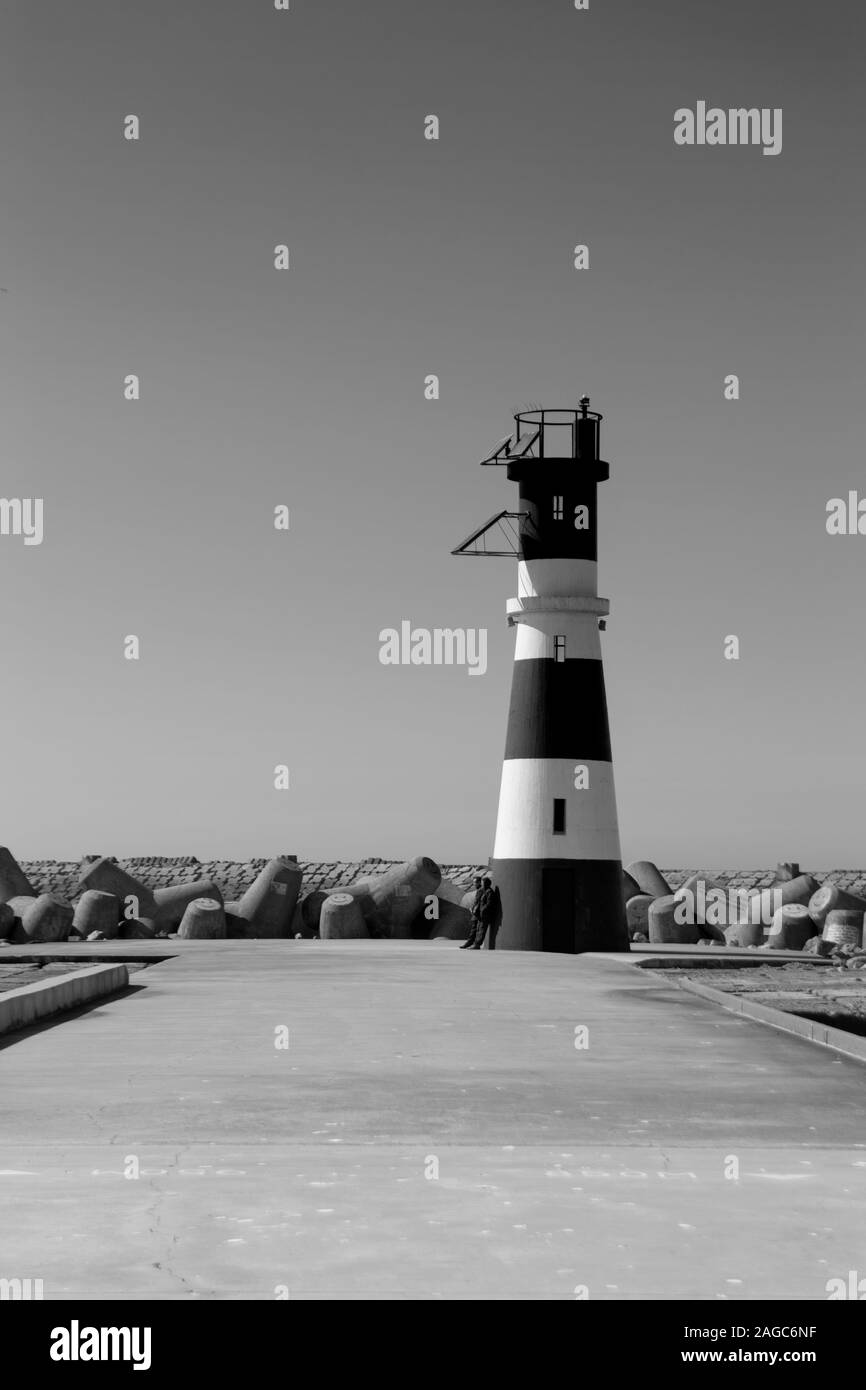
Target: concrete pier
(306,1167)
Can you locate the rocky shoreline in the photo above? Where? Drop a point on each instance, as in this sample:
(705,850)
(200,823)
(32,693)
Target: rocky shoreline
(100,897)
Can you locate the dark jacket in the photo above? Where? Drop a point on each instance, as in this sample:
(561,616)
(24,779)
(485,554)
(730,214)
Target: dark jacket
(487,906)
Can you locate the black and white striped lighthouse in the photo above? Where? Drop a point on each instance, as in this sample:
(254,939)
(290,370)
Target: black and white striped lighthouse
(556,857)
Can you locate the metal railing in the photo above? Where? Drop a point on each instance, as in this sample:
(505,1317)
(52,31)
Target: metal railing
(550,434)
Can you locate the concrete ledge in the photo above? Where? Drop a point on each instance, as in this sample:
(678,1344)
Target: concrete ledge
(836,1038)
(732,962)
(714,955)
(21,1007)
(89,953)
(550,603)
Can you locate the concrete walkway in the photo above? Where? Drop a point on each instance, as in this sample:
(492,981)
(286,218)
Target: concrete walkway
(431,1131)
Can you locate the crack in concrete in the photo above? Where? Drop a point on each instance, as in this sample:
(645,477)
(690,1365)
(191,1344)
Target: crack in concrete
(154,1217)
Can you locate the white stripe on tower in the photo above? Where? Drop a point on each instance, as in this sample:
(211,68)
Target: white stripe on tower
(565,576)
(536,634)
(524,826)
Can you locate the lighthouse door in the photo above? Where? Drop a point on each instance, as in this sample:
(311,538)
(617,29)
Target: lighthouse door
(558,908)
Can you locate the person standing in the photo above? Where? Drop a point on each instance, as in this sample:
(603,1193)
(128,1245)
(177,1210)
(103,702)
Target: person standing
(488,903)
(495,918)
(473,913)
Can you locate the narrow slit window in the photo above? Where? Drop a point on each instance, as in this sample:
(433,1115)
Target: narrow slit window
(559,815)
(559,648)
(557,509)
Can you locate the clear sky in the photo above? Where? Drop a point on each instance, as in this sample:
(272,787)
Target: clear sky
(306,387)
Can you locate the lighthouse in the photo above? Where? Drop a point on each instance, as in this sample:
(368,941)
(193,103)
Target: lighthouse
(556,856)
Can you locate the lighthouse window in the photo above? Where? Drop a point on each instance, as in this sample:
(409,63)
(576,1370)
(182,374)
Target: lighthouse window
(558,815)
(557,509)
(559,648)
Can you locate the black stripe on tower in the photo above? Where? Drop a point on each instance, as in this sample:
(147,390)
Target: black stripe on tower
(549,533)
(558,710)
(565,905)
(543,537)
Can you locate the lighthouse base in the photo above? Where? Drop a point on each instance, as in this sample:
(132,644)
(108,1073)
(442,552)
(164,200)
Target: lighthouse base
(562,905)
